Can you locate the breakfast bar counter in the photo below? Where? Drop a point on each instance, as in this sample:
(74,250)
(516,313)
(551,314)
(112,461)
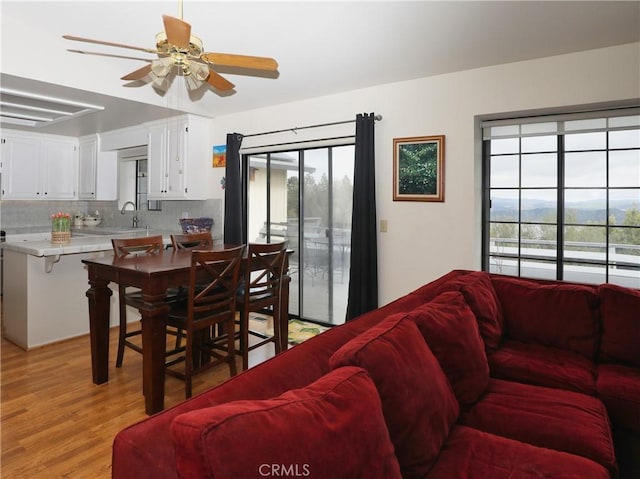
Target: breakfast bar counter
(44,289)
(87,241)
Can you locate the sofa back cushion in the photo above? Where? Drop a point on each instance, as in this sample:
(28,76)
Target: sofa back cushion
(479,294)
(620,308)
(332,428)
(562,315)
(417,401)
(451,331)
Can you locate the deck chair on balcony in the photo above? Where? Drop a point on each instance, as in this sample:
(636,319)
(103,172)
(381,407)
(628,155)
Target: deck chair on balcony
(260,290)
(123,247)
(206,309)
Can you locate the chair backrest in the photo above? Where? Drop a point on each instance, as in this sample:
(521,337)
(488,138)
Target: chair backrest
(265,269)
(192,241)
(213,283)
(134,246)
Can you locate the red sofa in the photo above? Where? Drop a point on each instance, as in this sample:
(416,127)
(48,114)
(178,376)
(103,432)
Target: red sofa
(473,375)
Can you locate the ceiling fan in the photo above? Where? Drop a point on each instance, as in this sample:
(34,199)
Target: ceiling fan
(180,53)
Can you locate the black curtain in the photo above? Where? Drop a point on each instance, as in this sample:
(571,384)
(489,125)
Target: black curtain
(363,276)
(233,208)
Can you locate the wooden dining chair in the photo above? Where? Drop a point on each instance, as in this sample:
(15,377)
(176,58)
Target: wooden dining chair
(261,289)
(206,310)
(192,241)
(123,247)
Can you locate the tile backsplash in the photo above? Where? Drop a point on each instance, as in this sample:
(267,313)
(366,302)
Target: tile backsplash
(35,216)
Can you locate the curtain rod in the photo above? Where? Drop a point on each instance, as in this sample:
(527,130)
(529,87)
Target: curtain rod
(296,128)
(289,143)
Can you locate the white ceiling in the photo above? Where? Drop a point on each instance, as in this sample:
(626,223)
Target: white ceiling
(322,47)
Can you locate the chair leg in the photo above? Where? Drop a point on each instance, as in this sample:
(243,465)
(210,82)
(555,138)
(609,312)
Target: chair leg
(122,330)
(276,328)
(244,337)
(179,333)
(231,347)
(188,366)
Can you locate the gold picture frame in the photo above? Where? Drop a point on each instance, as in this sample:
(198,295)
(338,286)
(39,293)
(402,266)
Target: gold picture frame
(418,168)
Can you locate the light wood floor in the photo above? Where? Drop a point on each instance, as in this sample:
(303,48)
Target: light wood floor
(55,423)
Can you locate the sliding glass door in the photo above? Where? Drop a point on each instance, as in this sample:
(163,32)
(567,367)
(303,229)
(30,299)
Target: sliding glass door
(305,198)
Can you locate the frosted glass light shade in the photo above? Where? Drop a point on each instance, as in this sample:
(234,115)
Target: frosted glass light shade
(192,82)
(161,83)
(200,71)
(162,66)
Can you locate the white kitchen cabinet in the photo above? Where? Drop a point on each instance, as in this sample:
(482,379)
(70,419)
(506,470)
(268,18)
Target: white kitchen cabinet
(39,166)
(179,158)
(107,176)
(166,160)
(87,167)
(20,164)
(97,170)
(60,169)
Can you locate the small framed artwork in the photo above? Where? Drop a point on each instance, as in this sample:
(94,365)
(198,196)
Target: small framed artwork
(219,158)
(418,168)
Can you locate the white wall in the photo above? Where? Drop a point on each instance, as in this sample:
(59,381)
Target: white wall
(426,240)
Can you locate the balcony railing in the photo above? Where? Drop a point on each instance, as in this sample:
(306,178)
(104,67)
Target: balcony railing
(587,262)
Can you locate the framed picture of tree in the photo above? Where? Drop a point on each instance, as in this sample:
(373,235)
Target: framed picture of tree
(418,168)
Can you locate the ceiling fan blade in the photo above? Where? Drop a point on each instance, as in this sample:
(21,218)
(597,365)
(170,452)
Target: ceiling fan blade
(139,74)
(110,55)
(219,82)
(178,31)
(243,61)
(110,44)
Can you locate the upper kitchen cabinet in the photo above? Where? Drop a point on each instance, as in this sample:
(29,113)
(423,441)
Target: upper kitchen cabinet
(88,161)
(39,166)
(97,170)
(179,157)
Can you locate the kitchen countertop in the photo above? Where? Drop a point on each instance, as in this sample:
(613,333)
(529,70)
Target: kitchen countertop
(86,241)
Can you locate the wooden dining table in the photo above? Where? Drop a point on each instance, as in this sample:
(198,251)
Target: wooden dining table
(153,274)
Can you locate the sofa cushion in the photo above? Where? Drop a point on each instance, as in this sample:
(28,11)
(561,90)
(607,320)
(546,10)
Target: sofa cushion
(545,417)
(560,315)
(481,297)
(472,454)
(620,309)
(451,331)
(543,366)
(331,428)
(619,389)
(417,401)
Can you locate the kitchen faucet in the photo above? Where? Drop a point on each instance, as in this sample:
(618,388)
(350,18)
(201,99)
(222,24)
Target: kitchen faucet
(134,221)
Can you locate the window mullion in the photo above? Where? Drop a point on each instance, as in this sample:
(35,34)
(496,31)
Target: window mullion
(560,212)
(607,229)
(486,204)
(520,206)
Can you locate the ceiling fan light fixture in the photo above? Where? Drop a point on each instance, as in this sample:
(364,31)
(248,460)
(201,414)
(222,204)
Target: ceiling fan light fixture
(161,83)
(198,70)
(162,66)
(192,82)
(182,54)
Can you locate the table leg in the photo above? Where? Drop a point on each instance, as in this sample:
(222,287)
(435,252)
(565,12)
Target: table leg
(284,314)
(154,344)
(99,294)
